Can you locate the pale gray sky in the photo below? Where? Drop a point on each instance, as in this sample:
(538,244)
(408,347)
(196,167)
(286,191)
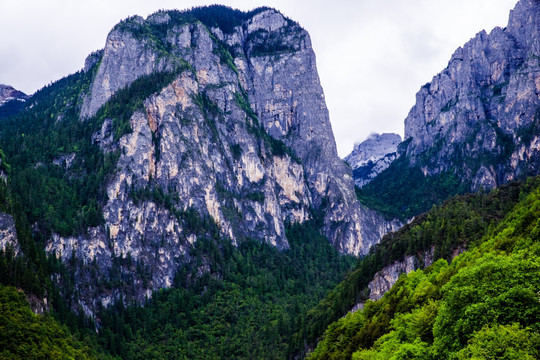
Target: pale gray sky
(372,55)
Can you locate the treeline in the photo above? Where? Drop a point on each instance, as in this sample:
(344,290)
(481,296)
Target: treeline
(24,335)
(214,16)
(484,305)
(459,222)
(58,172)
(402,191)
(247,302)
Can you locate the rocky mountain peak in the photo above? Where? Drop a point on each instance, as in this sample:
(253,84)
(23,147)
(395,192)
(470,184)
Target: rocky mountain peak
(478,118)
(8,93)
(235,142)
(372,149)
(372,156)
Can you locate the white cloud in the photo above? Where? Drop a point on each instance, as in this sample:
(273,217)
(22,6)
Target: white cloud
(372,55)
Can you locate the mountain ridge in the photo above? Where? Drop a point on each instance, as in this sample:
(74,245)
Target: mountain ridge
(474,126)
(174,133)
(372,156)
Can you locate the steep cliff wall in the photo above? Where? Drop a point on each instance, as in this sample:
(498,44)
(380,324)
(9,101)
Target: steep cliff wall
(8,234)
(480,116)
(238,143)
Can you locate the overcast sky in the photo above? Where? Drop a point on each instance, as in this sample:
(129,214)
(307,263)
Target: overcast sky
(372,55)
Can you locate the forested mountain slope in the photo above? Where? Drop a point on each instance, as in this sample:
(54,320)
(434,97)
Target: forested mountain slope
(441,233)
(484,303)
(187,126)
(193,154)
(181,197)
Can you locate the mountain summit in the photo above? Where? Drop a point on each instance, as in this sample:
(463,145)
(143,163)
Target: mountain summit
(202,124)
(8,93)
(475,126)
(480,116)
(373,155)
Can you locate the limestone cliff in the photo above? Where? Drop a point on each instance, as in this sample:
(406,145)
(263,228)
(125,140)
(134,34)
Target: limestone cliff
(239,138)
(479,117)
(8,234)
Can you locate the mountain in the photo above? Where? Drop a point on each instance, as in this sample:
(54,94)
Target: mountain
(8,93)
(208,126)
(475,125)
(479,113)
(442,233)
(11,100)
(181,197)
(373,155)
(190,165)
(482,304)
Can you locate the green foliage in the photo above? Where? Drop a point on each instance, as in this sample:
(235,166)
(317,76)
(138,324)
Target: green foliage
(256,196)
(266,43)
(460,221)
(4,166)
(246,305)
(126,101)
(222,50)
(48,129)
(502,342)
(495,289)
(483,305)
(402,191)
(28,269)
(24,335)
(11,108)
(222,17)
(236,151)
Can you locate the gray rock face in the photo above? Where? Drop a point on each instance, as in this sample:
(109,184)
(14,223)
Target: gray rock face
(480,116)
(387,277)
(370,157)
(8,93)
(8,234)
(241,137)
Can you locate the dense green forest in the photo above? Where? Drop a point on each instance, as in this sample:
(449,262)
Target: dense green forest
(24,335)
(460,221)
(482,305)
(248,307)
(402,191)
(253,301)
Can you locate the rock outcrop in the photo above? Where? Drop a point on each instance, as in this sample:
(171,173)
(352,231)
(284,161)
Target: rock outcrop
(8,93)
(480,117)
(240,138)
(8,234)
(387,277)
(373,155)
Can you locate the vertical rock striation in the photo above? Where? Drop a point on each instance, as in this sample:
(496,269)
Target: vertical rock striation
(239,143)
(479,117)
